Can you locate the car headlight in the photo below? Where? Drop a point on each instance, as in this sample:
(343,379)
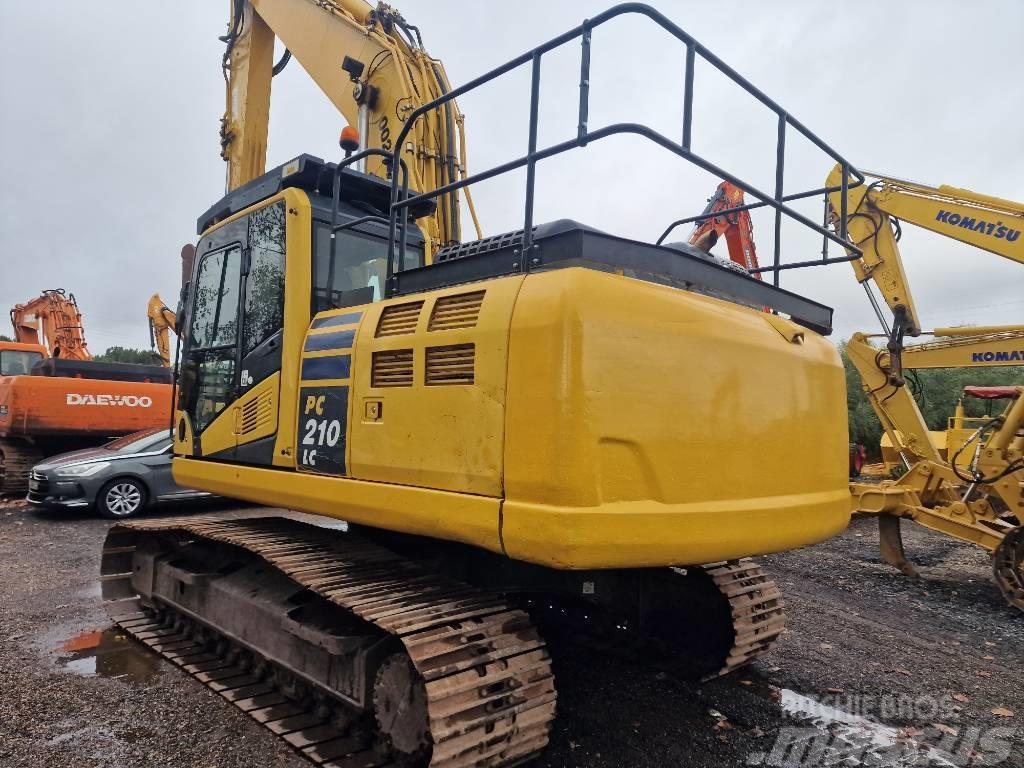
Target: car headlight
(82,470)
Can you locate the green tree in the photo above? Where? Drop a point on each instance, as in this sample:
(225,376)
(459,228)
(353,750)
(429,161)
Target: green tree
(4,337)
(128,355)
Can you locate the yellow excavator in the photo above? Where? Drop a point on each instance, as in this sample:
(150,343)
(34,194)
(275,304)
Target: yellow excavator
(537,426)
(959,347)
(977,493)
(162,322)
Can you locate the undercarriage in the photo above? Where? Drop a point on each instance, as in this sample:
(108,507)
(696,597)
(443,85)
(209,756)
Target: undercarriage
(361,655)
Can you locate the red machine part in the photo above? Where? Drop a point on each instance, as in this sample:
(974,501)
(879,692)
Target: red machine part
(992,393)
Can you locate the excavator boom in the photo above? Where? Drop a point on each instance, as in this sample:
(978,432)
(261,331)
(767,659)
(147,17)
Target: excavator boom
(975,492)
(53,320)
(371,64)
(734,226)
(986,222)
(162,320)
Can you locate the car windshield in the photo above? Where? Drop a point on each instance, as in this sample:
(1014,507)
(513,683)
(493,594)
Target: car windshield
(147,441)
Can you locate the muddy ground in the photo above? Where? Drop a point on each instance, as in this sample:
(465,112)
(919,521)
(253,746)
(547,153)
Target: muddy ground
(886,670)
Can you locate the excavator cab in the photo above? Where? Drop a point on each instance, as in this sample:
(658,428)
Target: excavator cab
(17,359)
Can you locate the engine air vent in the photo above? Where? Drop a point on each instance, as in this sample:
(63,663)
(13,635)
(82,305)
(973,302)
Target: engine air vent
(450,365)
(399,319)
(459,311)
(256,413)
(391,368)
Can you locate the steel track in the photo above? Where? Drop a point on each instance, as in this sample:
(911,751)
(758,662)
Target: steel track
(490,695)
(485,670)
(1008,567)
(16,461)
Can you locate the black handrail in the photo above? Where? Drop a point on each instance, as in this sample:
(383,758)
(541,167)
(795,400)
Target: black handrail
(391,160)
(584,135)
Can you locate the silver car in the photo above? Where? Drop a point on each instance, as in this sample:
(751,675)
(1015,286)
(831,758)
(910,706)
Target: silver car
(118,479)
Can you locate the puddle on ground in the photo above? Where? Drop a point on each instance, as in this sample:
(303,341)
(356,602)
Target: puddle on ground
(108,653)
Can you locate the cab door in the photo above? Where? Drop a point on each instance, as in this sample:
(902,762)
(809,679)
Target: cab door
(232,365)
(256,412)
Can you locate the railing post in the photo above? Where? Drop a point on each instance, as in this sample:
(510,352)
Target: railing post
(688,95)
(531,165)
(824,238)
(584,114)
(335,204)
(843,201)
(780,169)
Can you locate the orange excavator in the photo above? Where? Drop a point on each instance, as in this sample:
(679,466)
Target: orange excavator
(722,221)
(52,320)
(54,397)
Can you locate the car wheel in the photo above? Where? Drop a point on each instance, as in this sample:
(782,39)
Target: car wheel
(121,498)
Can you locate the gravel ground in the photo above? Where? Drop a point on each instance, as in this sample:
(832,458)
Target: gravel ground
(931,664)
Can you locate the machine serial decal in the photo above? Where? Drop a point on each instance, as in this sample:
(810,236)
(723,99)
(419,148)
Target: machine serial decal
(1016,355)
(997,230)
(322,426)
(129,401)
(333,367)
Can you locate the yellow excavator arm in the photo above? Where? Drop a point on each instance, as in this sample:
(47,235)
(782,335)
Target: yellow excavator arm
(974,502)
(968,347)
(986,222)
(162,320)
(370,63)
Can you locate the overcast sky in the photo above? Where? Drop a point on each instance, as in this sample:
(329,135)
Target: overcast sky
(109,116)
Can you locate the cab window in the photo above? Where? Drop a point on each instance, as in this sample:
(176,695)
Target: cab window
(15,362)
(209,374)
(215,302)
(359,270)
(264,292)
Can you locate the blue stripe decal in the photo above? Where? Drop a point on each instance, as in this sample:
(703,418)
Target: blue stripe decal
(333,367)
(327,322)
(334,340)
